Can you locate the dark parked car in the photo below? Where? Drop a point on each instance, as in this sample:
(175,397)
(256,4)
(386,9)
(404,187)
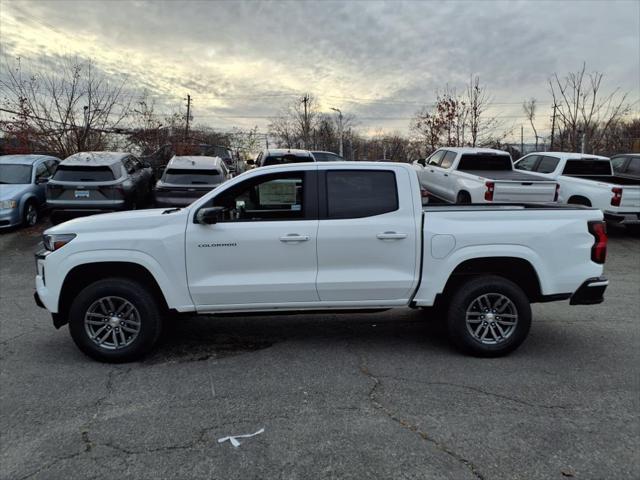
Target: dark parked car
(188,178)
(279,156)
(626,165)
(321,156)
(22,187)
(98,182)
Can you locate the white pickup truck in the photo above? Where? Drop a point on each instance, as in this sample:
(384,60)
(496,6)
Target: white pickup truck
(320,236)
(589,180)
(480,175)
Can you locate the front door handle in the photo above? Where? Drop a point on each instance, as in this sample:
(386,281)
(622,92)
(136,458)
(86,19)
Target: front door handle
(446,174)
(431,171)
(391,236)
(294,237)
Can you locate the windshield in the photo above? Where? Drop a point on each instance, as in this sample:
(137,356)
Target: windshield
(15,174)
(192,176)
(69,173)
(288,158)
(482,161)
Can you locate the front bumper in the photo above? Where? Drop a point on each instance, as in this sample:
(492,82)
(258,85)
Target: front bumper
(622,218)
(9,217)
(591,292)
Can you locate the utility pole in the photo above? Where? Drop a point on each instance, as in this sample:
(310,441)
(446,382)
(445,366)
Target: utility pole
(553,125)
(340,129)
(186,130)
(521,140)
(305,121)
(583,135)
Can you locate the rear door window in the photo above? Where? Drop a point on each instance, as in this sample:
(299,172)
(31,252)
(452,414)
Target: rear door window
(360,193)
(547,165)
(68,173)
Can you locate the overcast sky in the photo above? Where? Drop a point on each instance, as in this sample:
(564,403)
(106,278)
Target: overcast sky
(241,62)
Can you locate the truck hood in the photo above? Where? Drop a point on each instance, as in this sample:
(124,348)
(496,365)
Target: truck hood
(121,221)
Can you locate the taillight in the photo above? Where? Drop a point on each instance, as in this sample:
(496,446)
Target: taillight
(599,249)
(555,197)
(617,196)
(488,194)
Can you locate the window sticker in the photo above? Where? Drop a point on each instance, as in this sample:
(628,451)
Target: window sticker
(278,192)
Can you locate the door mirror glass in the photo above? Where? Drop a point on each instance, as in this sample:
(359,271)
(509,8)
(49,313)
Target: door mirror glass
(209,215)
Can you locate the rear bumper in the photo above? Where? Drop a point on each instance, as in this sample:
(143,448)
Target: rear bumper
(622,218)
(591,292)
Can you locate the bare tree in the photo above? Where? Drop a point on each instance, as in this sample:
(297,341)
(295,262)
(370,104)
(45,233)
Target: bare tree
(584,111)
(72,109)
(529,108)
(481,126)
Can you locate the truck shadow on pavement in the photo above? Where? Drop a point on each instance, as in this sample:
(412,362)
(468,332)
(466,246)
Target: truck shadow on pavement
(196,338)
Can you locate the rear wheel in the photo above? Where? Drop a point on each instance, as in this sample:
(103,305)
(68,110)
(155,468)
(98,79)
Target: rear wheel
(115,320)
(463,197)
(30,214)
(488,316)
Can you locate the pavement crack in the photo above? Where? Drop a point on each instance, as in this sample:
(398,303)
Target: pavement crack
(373,398)
(50,465)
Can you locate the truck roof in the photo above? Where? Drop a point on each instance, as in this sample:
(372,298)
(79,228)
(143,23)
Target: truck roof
(95,159)
(194,162)
(24,159)
(571,155)
(287,151)
(472,150)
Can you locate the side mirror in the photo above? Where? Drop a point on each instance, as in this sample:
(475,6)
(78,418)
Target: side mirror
(209,215)
(251,162)
(42,180)
(422,162)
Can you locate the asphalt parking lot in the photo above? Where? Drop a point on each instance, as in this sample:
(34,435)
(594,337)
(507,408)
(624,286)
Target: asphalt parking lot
(358,396)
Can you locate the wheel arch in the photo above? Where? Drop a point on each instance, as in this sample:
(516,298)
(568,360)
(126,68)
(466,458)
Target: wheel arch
(76,279)
(580,200)
(518,270)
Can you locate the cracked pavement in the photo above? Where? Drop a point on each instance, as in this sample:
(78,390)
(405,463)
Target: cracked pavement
(340,396)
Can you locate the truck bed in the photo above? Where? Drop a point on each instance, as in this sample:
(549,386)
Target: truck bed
(612,179)
(509,175)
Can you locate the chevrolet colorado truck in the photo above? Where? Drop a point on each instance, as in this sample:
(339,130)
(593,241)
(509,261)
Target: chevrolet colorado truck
(322,236)
(589,180)
(480,175)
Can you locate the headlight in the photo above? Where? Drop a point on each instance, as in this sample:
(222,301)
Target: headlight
(8,204)
(56,241)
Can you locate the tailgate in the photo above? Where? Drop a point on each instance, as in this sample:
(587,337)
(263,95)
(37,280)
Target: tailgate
(57,191)
(523,192)
(630,197)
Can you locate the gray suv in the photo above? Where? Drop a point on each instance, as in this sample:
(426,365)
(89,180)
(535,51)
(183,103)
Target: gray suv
(98,182)
(22,187)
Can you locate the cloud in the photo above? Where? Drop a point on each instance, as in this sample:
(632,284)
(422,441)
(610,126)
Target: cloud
(248,58)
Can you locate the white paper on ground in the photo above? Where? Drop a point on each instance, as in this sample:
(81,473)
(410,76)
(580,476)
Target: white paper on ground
(233,439)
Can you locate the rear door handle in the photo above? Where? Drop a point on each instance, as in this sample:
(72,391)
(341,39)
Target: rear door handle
(391,236)
(431,171)
(294,237)
(446,174)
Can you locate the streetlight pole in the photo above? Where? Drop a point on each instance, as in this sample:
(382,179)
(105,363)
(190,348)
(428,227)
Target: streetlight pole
(340,128)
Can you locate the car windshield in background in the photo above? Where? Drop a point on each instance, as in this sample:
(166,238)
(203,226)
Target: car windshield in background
(192,176)
(69,173)
(634,166)
(587,167)
(15,174)
(326,157)
(278,160)
(485,162)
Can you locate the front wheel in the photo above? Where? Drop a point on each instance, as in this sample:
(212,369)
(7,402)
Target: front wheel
(488,316)
(30,215)
(115,320)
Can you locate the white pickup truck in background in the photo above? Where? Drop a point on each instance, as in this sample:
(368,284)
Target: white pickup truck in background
(589,180)
(314,237)
(480,175)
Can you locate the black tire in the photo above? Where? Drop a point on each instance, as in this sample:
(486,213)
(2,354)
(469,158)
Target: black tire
(463,300)
(30,214)
(150,321)
(463,198)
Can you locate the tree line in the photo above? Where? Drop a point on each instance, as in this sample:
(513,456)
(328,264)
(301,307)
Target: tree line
(78,108)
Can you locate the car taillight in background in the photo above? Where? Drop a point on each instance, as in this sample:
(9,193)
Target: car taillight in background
(488,194)
(555,197)
(617,196)
(599,250)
